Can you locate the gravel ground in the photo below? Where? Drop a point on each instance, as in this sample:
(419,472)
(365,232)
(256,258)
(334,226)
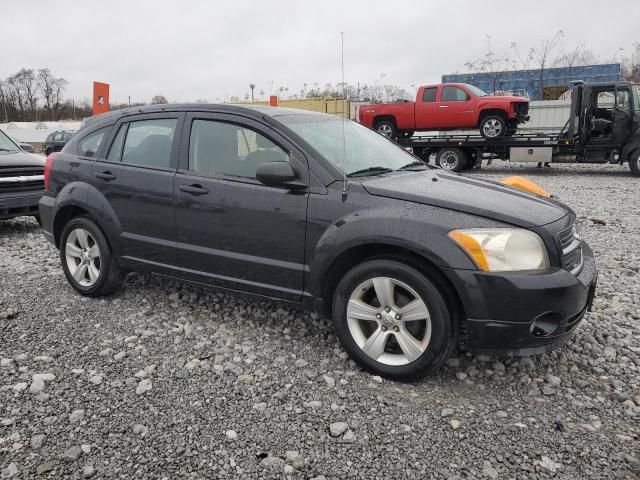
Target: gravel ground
(165,380)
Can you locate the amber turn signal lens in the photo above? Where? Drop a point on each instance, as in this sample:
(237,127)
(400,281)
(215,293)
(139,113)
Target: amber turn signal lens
(472,247)
(522,183)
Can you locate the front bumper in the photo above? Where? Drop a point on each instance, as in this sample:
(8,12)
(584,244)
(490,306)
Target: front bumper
(524,313)
(19,204)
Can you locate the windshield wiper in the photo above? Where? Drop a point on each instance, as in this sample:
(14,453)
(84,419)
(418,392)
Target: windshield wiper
(370,171)
(7,150)
(412,165)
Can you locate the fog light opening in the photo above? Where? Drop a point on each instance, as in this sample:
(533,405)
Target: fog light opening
(546,324)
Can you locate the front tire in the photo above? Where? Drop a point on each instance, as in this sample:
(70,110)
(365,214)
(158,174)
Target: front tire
(87,259)
(392,320)
(493,126)
(634,163)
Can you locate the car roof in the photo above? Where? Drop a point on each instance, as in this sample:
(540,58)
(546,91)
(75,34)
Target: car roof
(251,110)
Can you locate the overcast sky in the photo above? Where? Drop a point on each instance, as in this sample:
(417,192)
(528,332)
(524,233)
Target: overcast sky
(188,50)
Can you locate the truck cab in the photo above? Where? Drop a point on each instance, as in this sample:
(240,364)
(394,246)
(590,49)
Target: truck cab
(605,122)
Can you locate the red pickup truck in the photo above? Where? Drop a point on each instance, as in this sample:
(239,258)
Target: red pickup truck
(448,106)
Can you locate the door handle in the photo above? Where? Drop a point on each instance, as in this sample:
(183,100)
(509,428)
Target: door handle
(106,176)
(194,189)
(444,106)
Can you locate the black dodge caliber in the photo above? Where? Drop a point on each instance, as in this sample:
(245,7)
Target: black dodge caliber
(410,261)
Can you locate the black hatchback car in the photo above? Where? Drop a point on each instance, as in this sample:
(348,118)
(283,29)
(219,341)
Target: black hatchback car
(56,141)
(410,261)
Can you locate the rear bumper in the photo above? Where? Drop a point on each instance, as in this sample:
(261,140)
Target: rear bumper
(19,204)
(524,313)
(45,206)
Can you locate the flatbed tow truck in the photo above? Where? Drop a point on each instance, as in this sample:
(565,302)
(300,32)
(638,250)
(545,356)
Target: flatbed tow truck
(604,127)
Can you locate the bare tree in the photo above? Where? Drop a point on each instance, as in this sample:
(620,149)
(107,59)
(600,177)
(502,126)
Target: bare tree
(46,83)
(539,58)
(59,86)
(159,100)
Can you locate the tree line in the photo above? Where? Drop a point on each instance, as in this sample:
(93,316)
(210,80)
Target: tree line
(32,95)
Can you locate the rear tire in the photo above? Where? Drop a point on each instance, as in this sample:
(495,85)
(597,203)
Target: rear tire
(387,129)
(380,340)
(634,163)
(493,126)
(452,159)
(87,259)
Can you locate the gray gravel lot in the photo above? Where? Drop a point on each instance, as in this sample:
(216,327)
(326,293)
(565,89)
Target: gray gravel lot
(166,380)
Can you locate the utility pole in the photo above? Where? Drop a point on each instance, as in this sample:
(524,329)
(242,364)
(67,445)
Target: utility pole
(129,100)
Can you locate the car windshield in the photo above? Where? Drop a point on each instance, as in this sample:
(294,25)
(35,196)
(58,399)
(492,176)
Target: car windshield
(6,145)
(476,91)
(351,147)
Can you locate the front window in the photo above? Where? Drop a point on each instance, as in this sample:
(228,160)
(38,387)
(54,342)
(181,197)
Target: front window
(475,90)
(347,145)
(6,145)
(635,93)
(454,94)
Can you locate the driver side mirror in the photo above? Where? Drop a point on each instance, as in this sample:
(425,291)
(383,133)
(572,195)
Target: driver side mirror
(279,174)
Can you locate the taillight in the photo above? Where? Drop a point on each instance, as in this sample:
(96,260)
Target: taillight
(47,169)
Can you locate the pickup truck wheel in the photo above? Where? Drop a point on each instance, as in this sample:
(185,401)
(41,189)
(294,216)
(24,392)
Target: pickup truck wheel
(452,159)
(493,126)
(392,320)
(634,163)
(387,128)
(87,259)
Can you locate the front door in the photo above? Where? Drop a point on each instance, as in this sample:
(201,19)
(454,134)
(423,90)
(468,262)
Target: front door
(233,231)
(136,179)
(455,110)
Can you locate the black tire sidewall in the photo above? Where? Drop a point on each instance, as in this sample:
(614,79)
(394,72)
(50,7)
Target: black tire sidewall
(105,255)
(496,117)
(462,159)
(394,131)
(443,332)
(634,163)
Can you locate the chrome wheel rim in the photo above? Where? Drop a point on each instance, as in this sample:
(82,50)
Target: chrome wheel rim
(83,257)
(492,127)
(389,321)
(449,160)
(385,130)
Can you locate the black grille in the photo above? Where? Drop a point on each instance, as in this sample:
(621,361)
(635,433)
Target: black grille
(571,246)
(22,182)
(522,108)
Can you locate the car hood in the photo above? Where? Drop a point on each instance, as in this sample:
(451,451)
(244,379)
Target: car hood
(20,159)
(470,195)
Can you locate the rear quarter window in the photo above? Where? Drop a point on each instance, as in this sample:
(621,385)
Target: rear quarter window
(90,145)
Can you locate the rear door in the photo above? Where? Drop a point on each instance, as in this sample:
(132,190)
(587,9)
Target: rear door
(233,231)
(455,108)
(426,113)
(136,179)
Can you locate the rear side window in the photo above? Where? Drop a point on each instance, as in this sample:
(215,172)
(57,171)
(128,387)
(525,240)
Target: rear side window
(453,94)
(148,142)
(89,145)
(429,94)
(229,149)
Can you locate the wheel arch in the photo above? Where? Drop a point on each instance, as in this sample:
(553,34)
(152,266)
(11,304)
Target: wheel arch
(357,254)
(484,113)
(83,199)
(385,117)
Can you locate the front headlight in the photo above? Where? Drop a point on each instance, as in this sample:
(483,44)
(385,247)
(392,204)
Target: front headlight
(502,249)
